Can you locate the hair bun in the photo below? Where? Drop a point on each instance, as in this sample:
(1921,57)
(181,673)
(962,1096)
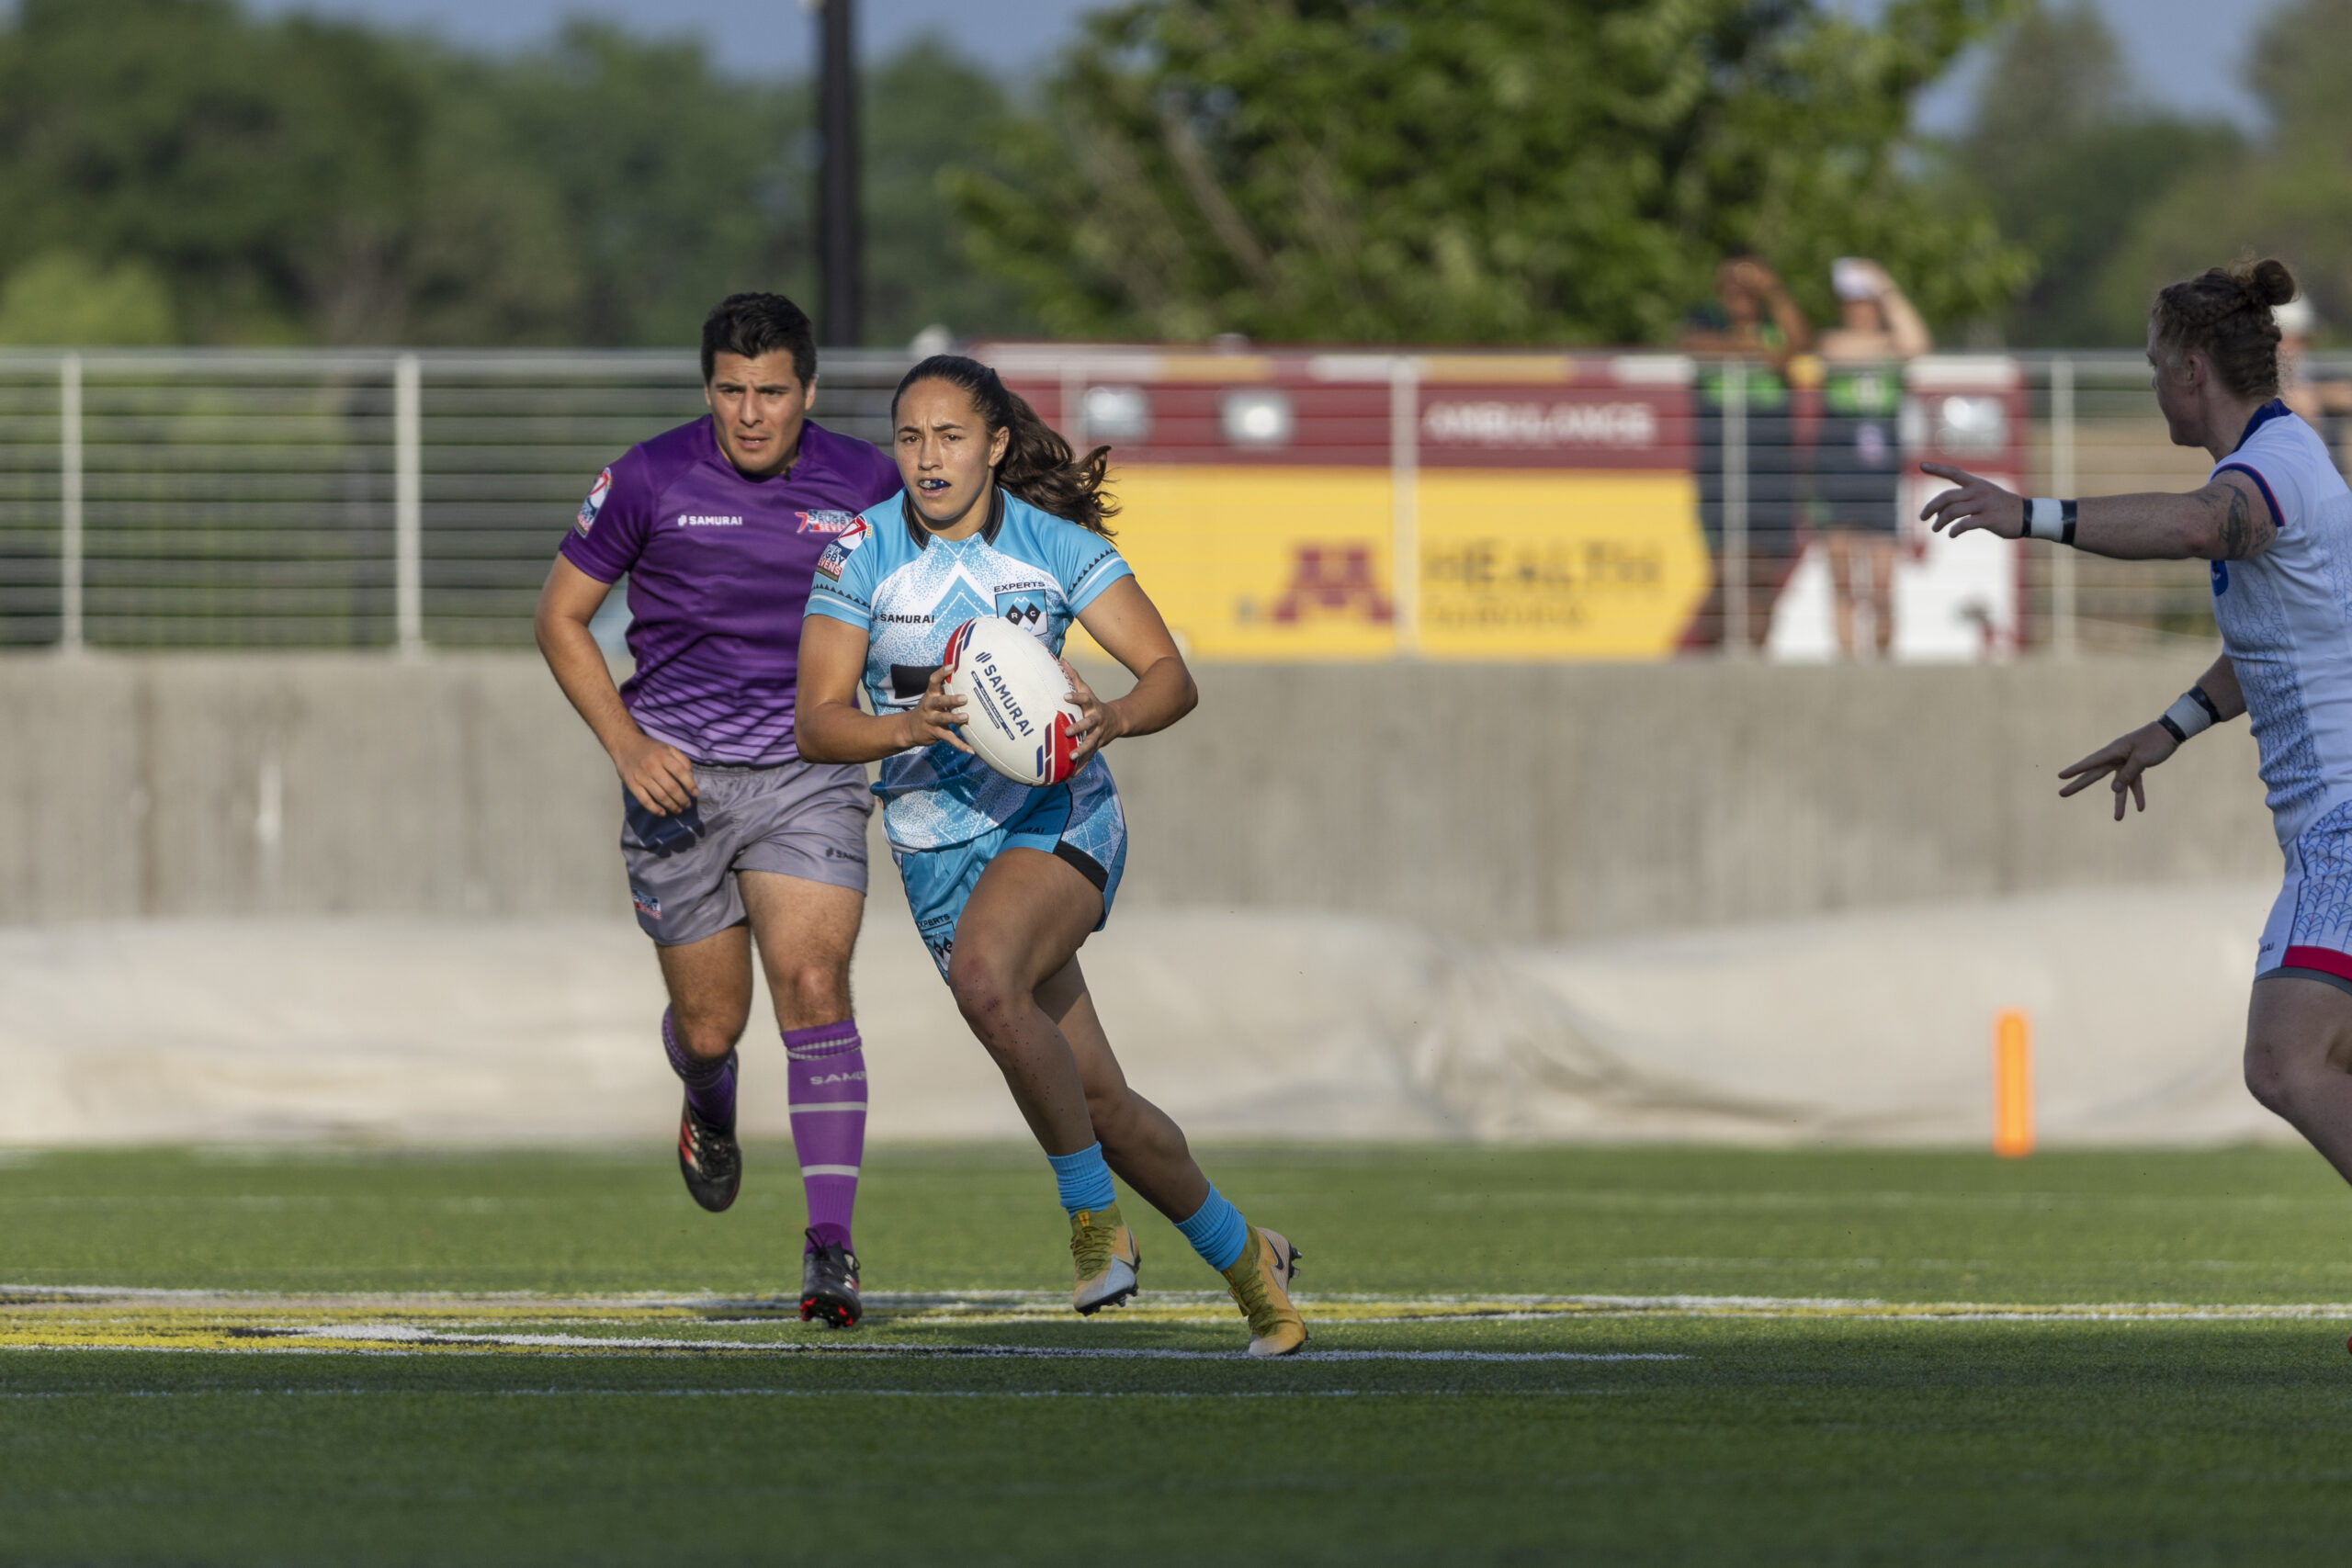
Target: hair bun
(2230,315)
(2269,283)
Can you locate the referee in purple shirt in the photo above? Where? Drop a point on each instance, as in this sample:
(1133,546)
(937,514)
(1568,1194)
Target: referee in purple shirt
(731,839)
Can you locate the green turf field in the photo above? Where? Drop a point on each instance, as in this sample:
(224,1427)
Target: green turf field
(1519,1356)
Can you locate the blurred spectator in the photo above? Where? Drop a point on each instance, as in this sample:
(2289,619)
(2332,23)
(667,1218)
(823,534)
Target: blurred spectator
(1858,461)
(1758,330)
(2323,401)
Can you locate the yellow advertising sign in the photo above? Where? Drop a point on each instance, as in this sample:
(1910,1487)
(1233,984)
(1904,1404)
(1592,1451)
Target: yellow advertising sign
(1297,563)
(1558,565)
(1263,563)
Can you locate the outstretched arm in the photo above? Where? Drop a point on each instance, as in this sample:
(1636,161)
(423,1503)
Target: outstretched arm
(2126,759)
(2228,520)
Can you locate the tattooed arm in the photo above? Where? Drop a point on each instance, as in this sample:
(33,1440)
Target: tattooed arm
(2243,525)
(2228,520)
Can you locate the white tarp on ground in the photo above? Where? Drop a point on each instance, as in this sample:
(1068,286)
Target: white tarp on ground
(1871,1028)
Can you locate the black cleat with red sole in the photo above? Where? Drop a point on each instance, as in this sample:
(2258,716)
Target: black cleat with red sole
(829,1284)
(709,1160)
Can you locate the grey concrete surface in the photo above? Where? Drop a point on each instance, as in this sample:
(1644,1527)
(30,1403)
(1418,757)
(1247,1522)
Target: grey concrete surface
(1488,802)
(1565,802)
(1866,1028)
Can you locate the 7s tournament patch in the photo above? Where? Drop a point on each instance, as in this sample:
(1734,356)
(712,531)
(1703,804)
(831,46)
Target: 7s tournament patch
(844,545)
(825,521)
(593,504)
(647,903)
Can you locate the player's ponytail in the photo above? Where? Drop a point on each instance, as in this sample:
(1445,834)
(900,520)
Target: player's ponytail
(1039,465)
(2225,313)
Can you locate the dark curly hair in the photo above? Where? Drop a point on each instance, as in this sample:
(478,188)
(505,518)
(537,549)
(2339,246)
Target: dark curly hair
(1039,465)
(2225,313)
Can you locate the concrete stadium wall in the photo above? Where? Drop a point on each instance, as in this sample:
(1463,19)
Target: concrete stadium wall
(1508,802)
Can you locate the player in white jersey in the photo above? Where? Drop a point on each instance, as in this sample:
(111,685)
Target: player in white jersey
(1006,882)
(2275,519)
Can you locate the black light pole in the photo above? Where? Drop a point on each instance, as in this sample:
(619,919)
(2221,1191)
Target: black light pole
(840,241)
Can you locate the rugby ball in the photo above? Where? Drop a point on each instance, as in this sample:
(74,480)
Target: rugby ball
(1019,716)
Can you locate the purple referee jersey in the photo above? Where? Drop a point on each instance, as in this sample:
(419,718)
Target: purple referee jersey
(719,571)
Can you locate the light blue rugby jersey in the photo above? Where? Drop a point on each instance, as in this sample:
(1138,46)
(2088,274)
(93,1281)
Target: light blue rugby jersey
(906,593)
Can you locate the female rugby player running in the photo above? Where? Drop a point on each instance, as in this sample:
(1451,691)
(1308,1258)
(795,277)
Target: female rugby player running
(2276,520)
(1006,882)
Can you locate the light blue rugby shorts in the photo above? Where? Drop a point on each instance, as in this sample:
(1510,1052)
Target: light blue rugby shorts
(1079,823)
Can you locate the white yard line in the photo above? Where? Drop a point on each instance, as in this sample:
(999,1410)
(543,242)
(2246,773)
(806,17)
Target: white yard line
(1054,1306)
(406,1334)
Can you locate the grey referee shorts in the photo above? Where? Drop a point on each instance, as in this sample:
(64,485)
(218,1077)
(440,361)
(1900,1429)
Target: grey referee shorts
(804,819)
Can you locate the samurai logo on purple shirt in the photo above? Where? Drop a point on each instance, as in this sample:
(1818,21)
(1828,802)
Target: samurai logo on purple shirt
(718,569)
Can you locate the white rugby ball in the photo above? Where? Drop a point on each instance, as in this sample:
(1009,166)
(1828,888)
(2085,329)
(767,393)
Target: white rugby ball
(1019,716)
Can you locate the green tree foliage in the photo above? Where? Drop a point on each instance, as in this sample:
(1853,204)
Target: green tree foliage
(303,181)
(237,161)
(675,185)
(2287,195)
(62,296)
(1475,170)
(2070,161)
(925,107)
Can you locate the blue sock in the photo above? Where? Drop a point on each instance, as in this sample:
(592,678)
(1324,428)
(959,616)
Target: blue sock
(1084,1179)
(1217,1232)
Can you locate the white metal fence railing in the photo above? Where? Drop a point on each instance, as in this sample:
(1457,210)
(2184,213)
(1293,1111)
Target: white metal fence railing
(193,499)
(2093,429)
(320,500)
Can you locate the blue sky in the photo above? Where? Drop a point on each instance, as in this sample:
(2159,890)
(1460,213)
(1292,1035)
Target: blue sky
(2187,55)
(750,37)
(2187,52)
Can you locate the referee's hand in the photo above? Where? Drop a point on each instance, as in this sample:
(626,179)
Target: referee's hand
(2126,759)
(657,773)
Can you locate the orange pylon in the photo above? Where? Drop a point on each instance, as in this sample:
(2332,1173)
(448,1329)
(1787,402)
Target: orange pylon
(2012,1085)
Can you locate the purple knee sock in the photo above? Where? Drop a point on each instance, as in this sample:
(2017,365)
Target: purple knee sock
(710,1084)
(828,1122)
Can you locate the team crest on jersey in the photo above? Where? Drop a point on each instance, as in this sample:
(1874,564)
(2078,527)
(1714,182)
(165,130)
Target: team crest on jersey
(825,521)
(1023,601)
(845,545)
(594,503)
(1025,609)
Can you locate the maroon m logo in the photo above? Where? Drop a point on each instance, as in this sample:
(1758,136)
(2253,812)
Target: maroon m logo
(1333,579)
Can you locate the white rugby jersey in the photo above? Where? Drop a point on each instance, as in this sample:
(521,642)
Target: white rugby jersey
(2285,619)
